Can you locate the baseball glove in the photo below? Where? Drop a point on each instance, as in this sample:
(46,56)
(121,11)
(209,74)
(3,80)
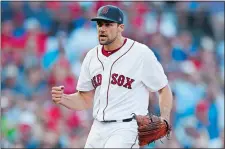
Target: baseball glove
(151,128)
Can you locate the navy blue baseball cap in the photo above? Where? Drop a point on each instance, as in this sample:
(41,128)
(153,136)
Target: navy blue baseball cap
(109,13)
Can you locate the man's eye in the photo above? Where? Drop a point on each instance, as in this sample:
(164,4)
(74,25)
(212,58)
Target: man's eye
(99,24)
(107,24)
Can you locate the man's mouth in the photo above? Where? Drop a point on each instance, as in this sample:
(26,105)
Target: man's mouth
(103,36)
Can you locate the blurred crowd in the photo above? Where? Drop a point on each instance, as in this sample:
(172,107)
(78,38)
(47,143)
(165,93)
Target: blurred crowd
(43,45)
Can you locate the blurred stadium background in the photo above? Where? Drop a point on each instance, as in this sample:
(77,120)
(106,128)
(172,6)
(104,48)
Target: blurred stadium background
(43,45)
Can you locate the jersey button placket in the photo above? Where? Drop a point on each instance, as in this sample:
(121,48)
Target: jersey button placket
(105,82)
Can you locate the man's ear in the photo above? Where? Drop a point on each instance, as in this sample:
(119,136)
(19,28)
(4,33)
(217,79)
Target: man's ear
(121,27)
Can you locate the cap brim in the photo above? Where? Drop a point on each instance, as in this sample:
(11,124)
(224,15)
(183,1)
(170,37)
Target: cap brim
(102,18)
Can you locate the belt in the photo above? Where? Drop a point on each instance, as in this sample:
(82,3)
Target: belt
(124,120)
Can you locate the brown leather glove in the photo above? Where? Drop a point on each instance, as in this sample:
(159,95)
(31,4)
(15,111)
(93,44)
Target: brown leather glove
(151,128)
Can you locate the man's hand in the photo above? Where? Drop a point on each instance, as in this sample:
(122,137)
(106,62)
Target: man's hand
(167,119)
(151,128)
(57,94)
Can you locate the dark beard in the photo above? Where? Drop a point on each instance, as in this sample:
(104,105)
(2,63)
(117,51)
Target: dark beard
(108,42)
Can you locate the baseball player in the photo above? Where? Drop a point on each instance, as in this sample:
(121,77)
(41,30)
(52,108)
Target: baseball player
(115,80)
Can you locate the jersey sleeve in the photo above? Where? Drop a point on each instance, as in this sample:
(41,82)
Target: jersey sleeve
(84,81)
(152,72)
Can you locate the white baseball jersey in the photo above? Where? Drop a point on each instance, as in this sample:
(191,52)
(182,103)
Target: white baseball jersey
(121,81)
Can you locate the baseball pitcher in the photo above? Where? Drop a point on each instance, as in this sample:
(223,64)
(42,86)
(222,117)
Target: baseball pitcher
(115,80)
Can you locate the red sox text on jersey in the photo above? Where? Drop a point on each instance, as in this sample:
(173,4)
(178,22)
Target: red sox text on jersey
(117,79)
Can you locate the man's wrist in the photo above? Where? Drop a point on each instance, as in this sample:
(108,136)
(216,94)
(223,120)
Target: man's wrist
(63,98)
(167,118)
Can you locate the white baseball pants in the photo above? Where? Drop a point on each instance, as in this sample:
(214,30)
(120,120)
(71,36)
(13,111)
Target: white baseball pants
(113,135)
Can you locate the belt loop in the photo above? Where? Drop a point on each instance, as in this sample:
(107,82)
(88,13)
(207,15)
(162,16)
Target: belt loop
(134,115)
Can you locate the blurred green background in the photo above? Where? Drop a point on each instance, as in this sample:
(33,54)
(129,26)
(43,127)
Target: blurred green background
(43,45)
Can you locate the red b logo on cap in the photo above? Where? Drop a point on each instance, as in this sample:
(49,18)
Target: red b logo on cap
(105,10)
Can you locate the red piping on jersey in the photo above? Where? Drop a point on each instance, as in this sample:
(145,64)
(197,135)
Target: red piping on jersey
(103,70)
(99,60)
(109,80)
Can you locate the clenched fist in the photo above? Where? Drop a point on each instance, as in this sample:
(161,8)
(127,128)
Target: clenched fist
(57,94)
